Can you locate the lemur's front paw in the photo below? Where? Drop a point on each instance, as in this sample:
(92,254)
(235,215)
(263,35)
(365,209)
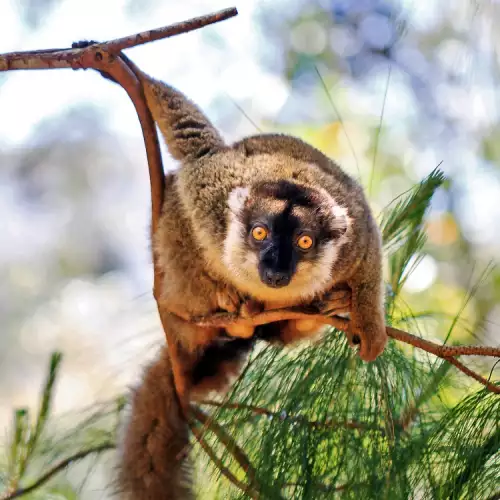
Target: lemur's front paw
(251,307)
(228,299)
(334,301)
(371,339)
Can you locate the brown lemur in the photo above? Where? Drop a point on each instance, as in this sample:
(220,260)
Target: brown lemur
(269,219)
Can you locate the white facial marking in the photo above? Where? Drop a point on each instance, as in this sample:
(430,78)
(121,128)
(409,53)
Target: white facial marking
(310,279)
(233,250)
(237,198)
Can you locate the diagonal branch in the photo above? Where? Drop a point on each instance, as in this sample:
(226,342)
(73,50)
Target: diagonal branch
(196,23)
(103,57)
(464,369)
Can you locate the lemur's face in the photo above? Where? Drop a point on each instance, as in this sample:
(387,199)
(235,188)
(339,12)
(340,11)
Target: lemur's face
(283,239)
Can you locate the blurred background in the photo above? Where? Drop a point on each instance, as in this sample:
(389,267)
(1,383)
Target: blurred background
(389,89)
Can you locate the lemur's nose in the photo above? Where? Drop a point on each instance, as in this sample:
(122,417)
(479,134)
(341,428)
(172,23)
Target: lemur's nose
(276,279)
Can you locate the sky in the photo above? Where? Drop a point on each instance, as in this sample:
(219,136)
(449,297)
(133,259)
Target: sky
(49,92)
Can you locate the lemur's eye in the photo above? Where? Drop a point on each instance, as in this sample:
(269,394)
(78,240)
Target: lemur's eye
(305,242)
(259,233)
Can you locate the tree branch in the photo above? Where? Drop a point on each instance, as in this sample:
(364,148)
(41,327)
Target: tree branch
(464,369)
(73,58)
(196,23)
(442,351)
(104,57)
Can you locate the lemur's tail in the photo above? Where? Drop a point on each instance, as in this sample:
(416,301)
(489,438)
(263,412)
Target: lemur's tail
(153,463)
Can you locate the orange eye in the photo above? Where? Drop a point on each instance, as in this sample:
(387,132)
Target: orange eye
(259,233)
(305,242)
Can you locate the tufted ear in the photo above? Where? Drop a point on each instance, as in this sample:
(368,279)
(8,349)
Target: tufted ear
(188,133)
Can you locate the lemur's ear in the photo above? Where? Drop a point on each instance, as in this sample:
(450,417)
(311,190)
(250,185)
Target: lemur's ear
(189,134)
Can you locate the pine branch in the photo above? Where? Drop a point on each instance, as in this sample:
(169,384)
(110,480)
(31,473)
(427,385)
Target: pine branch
(228,441)
(408,213)
(316,424)
(220,465)
(56,469)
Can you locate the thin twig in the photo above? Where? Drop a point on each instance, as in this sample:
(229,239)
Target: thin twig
(464,369)
(196,23)
(317,424)
(56,469)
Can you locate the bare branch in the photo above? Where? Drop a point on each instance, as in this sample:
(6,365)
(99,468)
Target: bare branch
(72,58)
(443,351)
(464,369)
(115,46)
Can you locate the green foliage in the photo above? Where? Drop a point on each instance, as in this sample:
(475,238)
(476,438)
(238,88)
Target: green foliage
(402,230)
(37,454)
(314,422)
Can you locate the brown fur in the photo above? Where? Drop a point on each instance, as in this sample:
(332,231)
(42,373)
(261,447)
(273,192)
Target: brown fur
(153,466)
(193,244)
(204,185)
